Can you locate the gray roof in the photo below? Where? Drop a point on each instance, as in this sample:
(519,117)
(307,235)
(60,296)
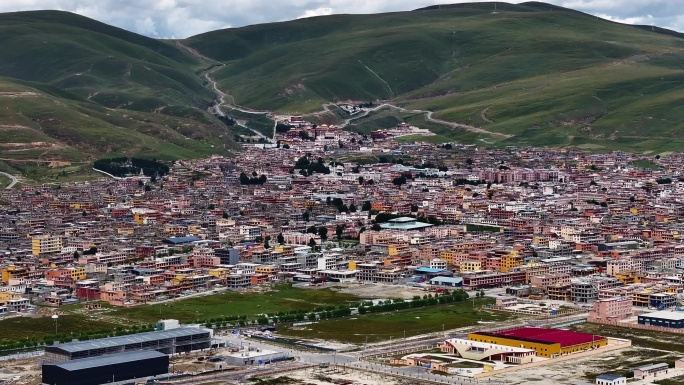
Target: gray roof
(666,315)
(80,346)
(653,366)
(111,359)
(608,377)
(447,279)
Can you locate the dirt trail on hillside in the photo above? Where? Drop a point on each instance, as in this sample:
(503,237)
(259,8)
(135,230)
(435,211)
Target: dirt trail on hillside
(222,102)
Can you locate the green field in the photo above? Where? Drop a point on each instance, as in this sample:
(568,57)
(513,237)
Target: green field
(380,327)
(283,298)
(17,328)
(77,319)
(647,164)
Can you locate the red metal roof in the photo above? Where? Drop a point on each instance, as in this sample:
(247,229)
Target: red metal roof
(564,337)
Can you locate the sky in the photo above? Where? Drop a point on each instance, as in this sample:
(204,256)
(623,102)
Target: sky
(184,18)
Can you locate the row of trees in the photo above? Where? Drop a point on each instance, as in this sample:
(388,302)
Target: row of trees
(416,302)
(254,180)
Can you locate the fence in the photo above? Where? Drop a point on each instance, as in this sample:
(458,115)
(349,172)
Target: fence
(393,372)
(636,326)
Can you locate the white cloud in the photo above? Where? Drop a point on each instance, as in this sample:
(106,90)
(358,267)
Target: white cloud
(183,18)
(146,27)
(322,11)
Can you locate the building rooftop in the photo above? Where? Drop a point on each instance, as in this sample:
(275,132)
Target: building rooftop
(79,346)
(564,337)
(608,377)
(181,240)
(666,314)
(120,358)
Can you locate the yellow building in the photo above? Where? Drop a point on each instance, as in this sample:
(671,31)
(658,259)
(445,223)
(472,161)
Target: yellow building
(265,269)
(287,250)
(220,273)
(511,260)
(12,271)
(45,244)
(8,295)
(77,273)
(467,266)
(548,343)
(447,256)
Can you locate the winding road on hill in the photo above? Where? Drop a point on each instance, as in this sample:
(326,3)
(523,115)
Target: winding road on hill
(13,180)
(222,102)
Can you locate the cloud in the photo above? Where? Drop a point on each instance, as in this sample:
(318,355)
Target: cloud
(183,18)
(322,11)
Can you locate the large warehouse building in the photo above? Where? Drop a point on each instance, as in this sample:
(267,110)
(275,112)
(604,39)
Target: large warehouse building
(172,341)
(106,369)
(546,342)
(666,319)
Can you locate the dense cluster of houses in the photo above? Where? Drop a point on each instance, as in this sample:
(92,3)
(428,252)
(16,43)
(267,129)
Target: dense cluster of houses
(322,204)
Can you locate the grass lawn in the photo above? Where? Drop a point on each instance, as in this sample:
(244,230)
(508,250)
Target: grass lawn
(380,327)
(4,181)
(435,139)
(465,364)
(76,318)
(643,163)
(285,298)
(20,327)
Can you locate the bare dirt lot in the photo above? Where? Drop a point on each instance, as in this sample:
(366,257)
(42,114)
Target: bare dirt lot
(586,368)
(334,377)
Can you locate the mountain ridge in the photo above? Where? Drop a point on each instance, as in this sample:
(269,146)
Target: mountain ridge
(533,76)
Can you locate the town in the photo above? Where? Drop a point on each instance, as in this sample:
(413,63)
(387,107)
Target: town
(561,250)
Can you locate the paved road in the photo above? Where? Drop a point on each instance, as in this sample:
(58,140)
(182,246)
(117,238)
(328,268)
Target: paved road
(351,360)
(13,180)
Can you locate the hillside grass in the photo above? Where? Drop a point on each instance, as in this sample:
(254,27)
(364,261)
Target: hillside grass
(89,88)
(549,76)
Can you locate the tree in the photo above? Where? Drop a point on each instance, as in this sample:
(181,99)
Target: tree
(360,180)
(76,255)
(366,206)
(225,215)
(398,181)
(286,146)
(266,242)
(352,208)
(323,232)
(312,230)
(84,213)
(305,216)
(312,243)
(280,238)
(244,179)
(339,230)
(376,227)
(469,162)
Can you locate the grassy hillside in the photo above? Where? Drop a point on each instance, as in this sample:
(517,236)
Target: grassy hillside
(73,88)
(544,74)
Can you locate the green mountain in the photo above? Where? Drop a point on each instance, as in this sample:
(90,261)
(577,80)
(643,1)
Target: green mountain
(536,73)
(527,74)
(74,88)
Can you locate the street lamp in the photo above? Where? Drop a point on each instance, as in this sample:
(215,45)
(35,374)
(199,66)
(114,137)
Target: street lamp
(55,317)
